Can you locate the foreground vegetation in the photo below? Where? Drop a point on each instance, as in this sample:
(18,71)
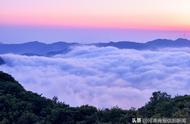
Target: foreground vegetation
(18,106)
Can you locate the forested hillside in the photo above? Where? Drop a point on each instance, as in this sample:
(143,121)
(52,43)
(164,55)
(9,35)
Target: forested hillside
(18,106)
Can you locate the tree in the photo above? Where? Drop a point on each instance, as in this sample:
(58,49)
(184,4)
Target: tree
(19,106)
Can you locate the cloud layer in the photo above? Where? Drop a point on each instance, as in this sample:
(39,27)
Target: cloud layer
(103,77)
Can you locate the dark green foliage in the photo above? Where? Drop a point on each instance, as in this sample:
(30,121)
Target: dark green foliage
(157,106)
(18,106)
(162,105)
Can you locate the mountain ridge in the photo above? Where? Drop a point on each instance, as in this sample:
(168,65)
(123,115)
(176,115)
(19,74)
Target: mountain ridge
(45,49)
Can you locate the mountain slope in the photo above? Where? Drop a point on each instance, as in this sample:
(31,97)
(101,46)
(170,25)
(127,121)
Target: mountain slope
(18,106)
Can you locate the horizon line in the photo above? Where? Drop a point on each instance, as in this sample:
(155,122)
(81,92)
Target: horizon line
(37,41)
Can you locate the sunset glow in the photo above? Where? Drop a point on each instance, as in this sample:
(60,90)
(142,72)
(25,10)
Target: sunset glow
(94,61)
(144,14)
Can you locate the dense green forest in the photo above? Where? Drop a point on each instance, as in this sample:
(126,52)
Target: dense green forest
(18,106)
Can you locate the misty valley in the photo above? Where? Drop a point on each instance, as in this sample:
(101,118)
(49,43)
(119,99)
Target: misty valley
(103,75)
(94,62)
(106,83)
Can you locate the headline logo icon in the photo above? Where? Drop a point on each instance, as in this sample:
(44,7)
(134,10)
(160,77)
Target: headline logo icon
(136,120)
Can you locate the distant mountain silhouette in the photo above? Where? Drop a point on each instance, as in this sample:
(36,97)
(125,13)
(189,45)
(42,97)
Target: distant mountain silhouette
(43,49)
(155,44)
(36,48)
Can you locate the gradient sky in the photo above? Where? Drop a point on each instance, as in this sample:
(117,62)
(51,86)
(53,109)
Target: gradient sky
(137,17)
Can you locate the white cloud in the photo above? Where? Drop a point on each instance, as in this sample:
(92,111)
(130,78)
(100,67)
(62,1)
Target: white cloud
(103,77)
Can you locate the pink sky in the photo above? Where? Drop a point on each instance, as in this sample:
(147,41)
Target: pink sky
(93,20)
(138,14)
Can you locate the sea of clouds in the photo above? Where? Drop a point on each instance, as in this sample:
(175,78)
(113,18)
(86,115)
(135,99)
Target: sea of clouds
(104,77)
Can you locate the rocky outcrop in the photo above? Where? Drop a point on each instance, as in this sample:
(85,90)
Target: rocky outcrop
(2,61)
